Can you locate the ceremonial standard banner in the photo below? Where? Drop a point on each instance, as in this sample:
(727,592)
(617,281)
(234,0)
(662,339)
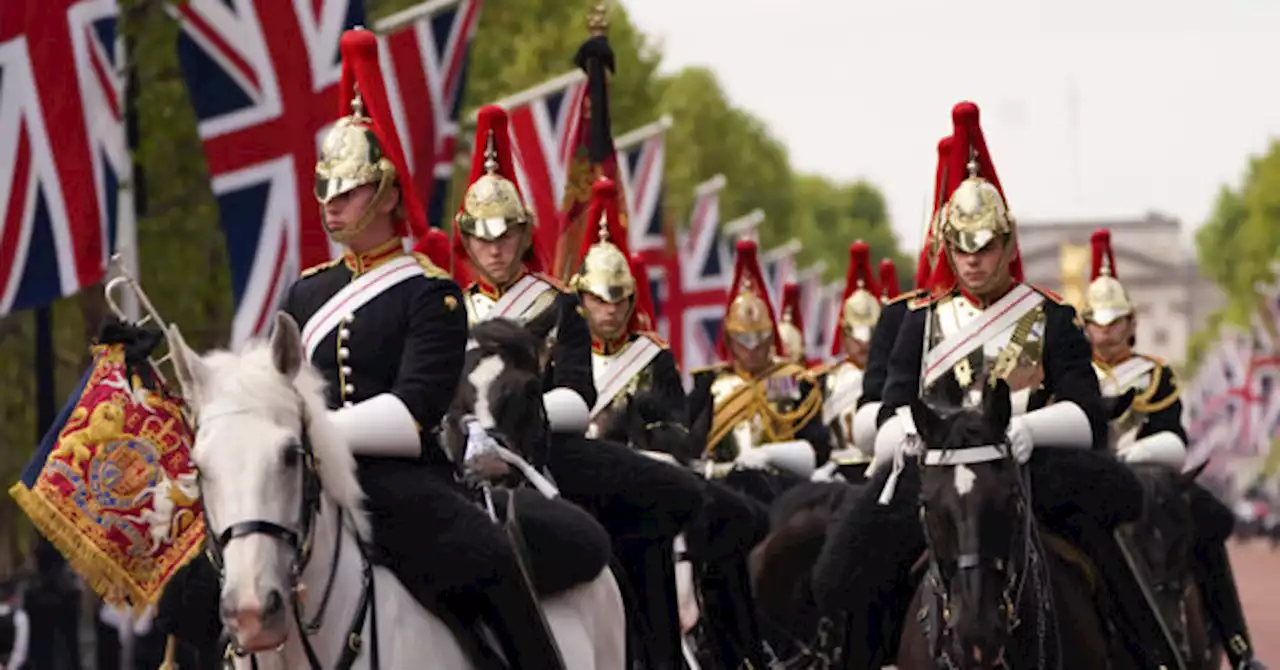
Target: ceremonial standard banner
(111,485)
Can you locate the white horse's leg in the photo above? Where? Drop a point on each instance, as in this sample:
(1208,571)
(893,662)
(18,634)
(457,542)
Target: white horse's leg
(589,623)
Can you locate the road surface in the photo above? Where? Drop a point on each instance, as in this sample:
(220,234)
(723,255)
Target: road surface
(1257,569)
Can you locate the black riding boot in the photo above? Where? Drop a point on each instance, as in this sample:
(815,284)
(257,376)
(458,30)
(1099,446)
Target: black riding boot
(650,571)
(1222,601)
(510,609)
(188,608)
(1138,627)
(729,611)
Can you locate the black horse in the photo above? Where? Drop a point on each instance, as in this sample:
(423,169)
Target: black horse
(999,589)
(643,503)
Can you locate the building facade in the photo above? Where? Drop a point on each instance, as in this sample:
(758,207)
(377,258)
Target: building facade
(1160,273)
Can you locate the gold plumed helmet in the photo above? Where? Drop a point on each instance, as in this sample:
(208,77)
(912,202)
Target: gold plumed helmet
(492,204)
(604,269)
(976,212)
(791,326)
(748,318)
(1106,301)
(860,306)
(362,147)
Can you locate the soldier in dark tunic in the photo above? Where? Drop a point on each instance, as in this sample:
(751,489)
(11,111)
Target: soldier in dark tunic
(891,317)
(639,396)
(1151,431)
(642,502)
(982,323)
(860,309)
(387,329)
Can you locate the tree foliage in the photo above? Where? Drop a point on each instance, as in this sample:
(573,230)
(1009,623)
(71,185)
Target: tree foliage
(518,44)
(1239,242)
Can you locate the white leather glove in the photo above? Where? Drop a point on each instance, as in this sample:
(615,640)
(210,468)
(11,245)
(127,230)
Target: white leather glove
(826,473)
(752,459)
(1020,440)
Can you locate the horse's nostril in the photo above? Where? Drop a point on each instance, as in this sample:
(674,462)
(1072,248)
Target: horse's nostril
(274,604)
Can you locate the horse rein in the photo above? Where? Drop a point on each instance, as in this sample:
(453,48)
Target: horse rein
(300,541)
(1015,578)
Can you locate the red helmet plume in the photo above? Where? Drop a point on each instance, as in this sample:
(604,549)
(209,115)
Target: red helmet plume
(1104,258)
(858,276)
(643,317)
(361,71)
(748,310)
(888,280)
(924,263)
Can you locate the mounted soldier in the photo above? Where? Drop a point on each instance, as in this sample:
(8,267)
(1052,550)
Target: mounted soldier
(1151,431)
(755,412)
(860,309)
(979,324)
(642,502)
(791,326)
(387,330)
(627,357)
(639,402)
(891,317)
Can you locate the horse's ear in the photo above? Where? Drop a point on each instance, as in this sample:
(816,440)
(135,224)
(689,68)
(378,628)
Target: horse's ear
(1187,479)
(286,345)
(928,423)
(996,405)
(191,369)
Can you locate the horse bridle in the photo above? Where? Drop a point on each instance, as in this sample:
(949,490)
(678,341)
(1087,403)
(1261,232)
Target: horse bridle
(300,541)
(1022,556)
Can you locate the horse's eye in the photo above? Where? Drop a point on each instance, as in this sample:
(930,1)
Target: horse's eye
(291,456)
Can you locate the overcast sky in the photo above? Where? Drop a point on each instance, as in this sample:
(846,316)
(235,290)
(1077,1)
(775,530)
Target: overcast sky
(1090,109)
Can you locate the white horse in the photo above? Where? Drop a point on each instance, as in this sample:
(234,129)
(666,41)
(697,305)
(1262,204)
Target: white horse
(283,508)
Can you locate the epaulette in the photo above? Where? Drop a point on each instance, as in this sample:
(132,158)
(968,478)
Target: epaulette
(713,368)
(906,295)
(1047,293)
(1155,359)
(559,285)
(656,338)
(925,300)
(824,368)
(429,268)
(319,268)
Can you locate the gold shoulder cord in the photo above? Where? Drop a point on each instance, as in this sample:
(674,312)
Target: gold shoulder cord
(1144,402)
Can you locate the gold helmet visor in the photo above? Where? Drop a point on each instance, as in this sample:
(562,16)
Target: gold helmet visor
(605,274)
(748,322)
(1106,301)
(975,216)
(350,157)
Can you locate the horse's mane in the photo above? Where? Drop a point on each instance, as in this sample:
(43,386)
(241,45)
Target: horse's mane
(252,379)
(512,341)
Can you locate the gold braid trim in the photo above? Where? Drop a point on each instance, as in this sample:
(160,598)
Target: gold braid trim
(1144,402)
(100,572)
(750,399)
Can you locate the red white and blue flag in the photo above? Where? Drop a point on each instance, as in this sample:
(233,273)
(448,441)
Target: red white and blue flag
(424,59)
(706,268)
(263,77)
(779,268)
(65,166)
(811,298)
(641,168)
(543,123)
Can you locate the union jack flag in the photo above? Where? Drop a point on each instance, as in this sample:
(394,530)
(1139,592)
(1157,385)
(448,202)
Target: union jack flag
(825,311)
(543,122)
(263,77)
(641,168)
(706,269)
(642,155)
(64,155)
(811,298)
(779,268)
(424,62)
